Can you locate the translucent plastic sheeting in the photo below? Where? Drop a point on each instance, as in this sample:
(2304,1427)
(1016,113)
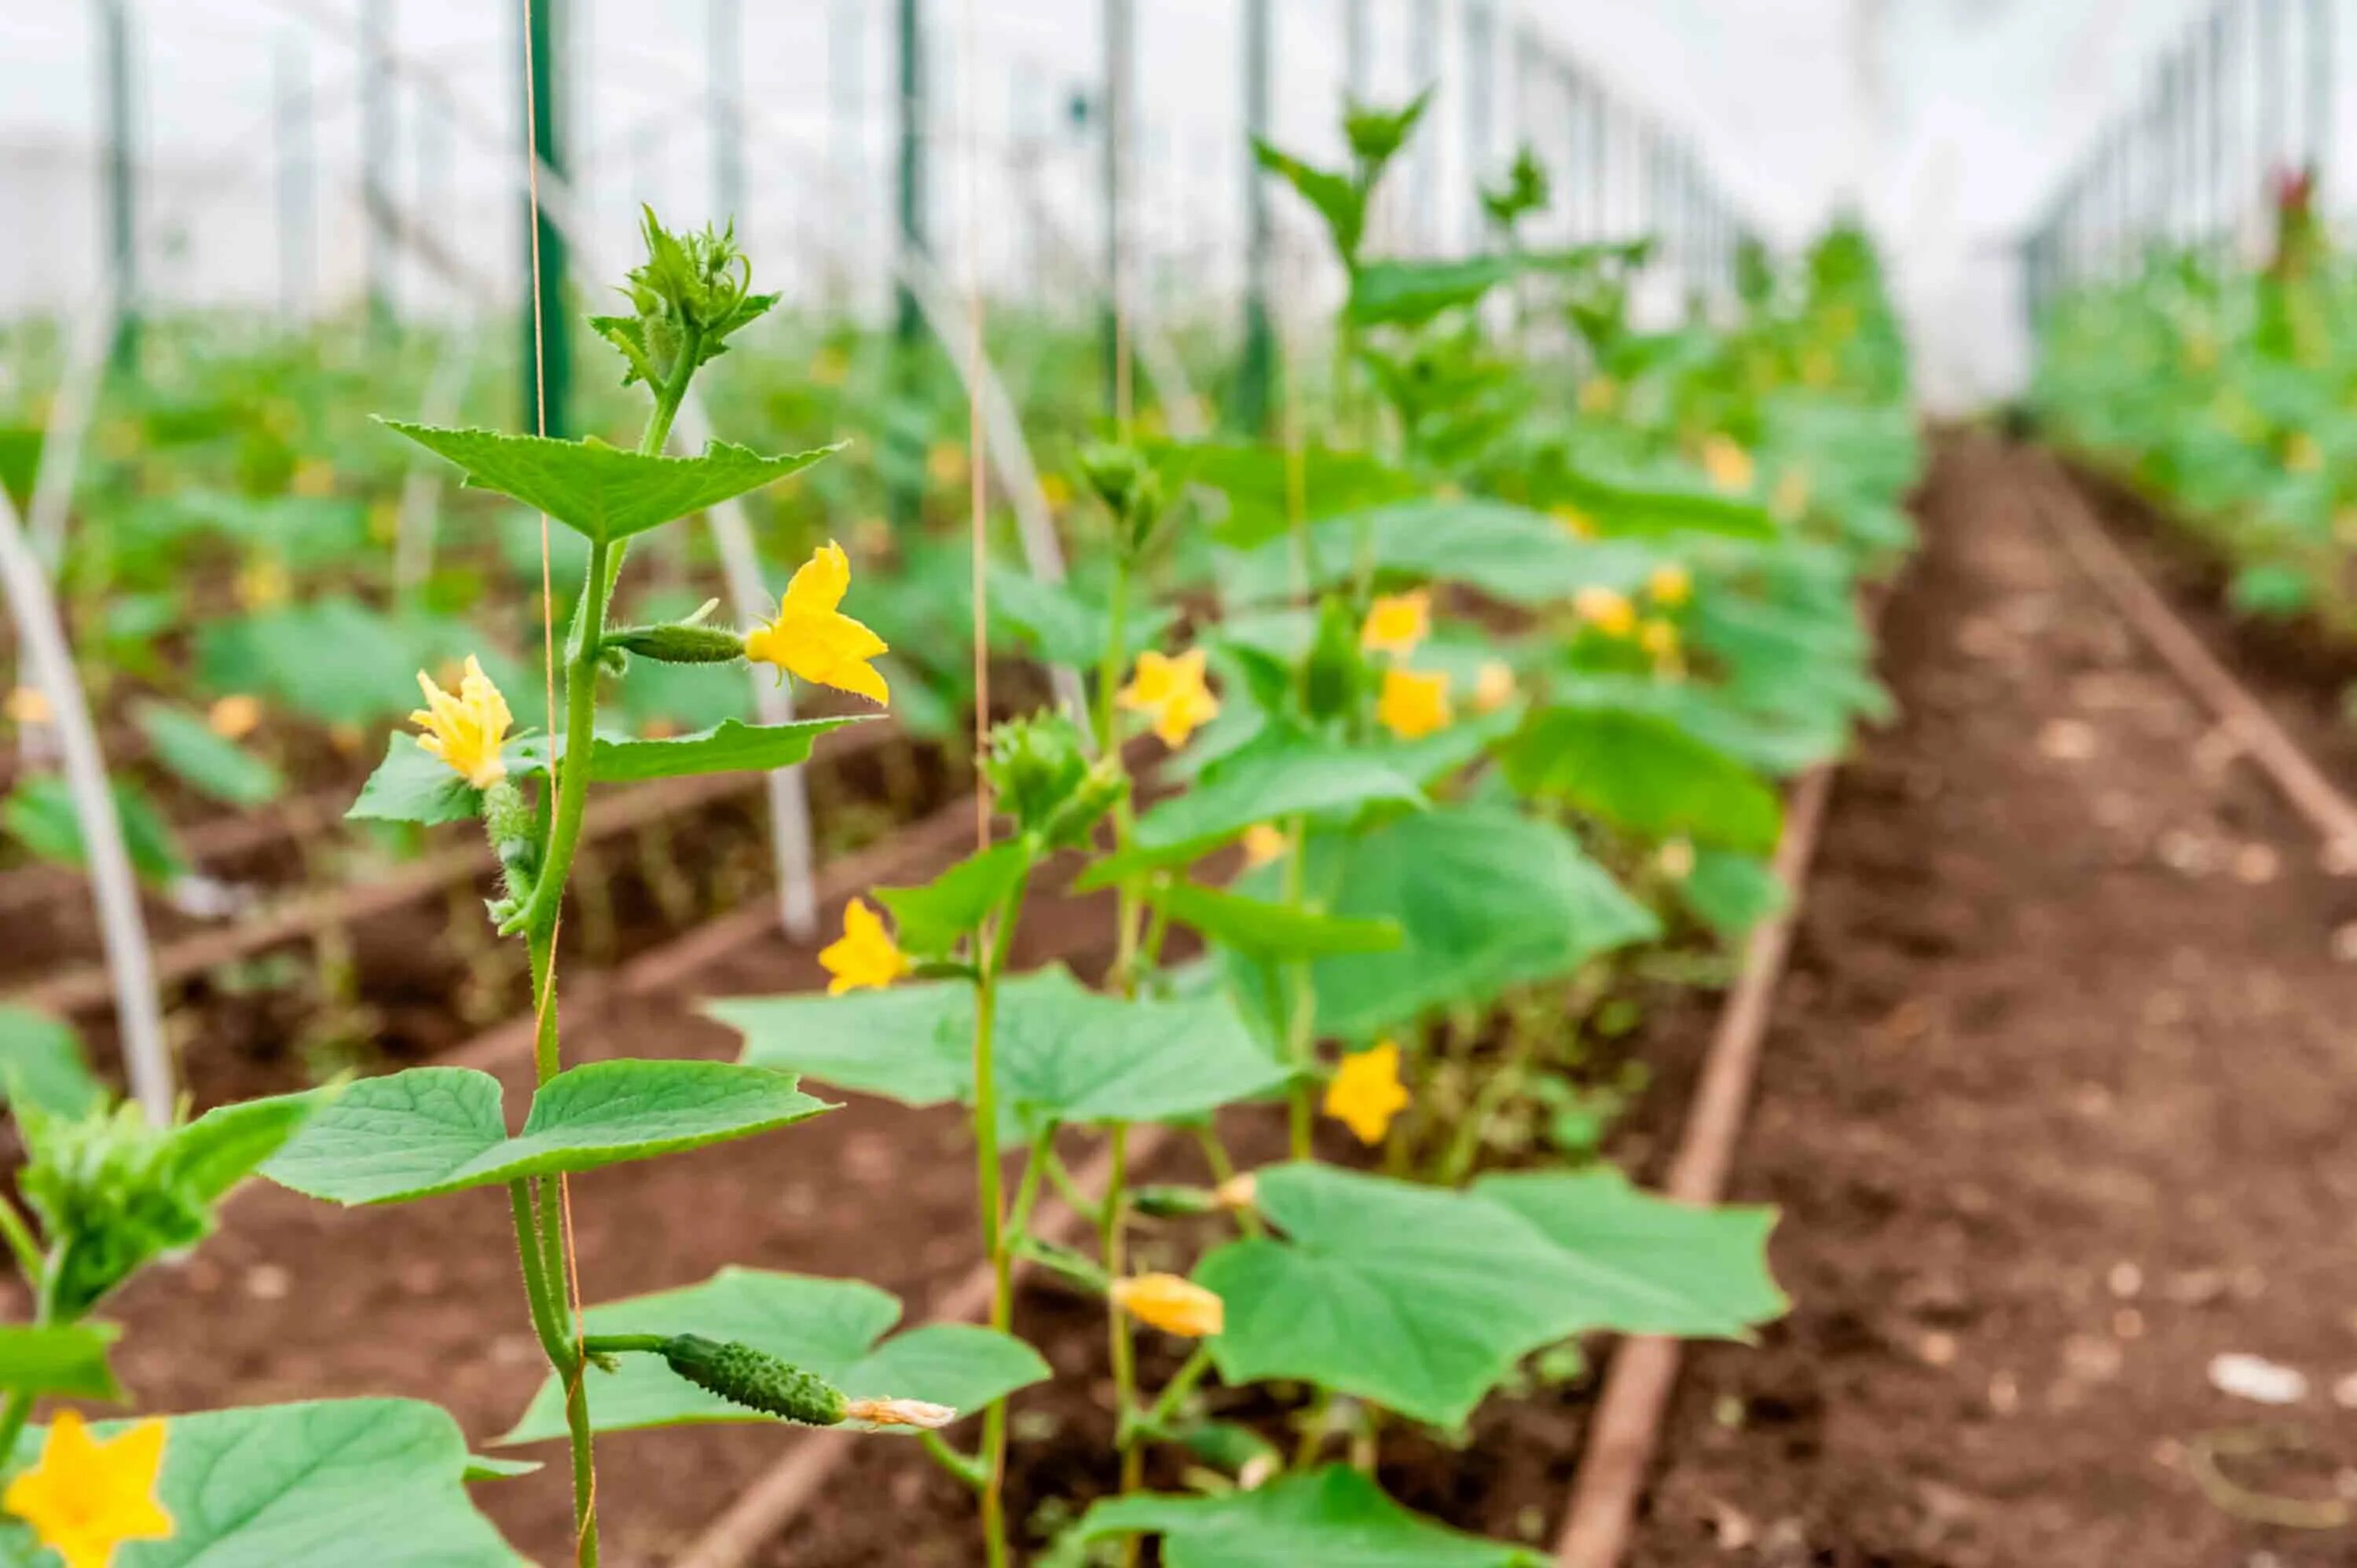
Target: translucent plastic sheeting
(1946,122)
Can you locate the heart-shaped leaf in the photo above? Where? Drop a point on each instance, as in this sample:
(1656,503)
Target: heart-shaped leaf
(213,766)
(1486,900)
(604,492)
(826,1327)
(1334,1516)
(41,1059)
(1275,778)
(440,1129)
(1645,776)
(379,1481)
(931,918)
(1423,1299)
(1271,933)
(1063,1053)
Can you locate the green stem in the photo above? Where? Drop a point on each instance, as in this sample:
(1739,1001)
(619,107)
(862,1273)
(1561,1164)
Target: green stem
(1182,1383)
(20,1235)
(1500,1087)
(671,394)
(1117,1331)
(19,1408)
(625,1344)
(547,1317)
(1223,1170)
(13,1416)
(1301,1023)
(993,1215)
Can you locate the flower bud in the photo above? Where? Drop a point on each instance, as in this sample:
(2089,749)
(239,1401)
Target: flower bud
(1337,674)
(1129,488)
(1043,780)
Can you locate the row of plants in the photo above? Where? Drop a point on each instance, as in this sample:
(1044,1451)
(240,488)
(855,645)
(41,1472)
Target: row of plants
(1412,738)
(2221,392)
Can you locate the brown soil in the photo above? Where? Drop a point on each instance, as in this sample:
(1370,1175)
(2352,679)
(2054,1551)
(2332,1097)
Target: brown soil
(2056,1105)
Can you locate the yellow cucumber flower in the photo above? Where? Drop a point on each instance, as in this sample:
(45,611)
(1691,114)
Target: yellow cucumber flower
(1264,843)
(1173,692)
(865,956)
(1172,1305)
(815,639)
(1493,685)
(1659,638)
(1606,609)
(1415,703)
(1366,1092)
(1396,623)
(27,705)
(85,1497)
(1670,586)
(468,730)
(1728,464)
(1575,522)
(235,716)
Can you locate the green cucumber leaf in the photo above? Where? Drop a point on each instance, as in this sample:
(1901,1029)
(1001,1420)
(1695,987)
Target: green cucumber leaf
(1334,1517)
(39,814)
(434,1130)
(602,492)
(930,920)
(1731,893)
(1485,897)
(1644,775)
(1063,1052)
(379,1481)
(1423,1300)
(1271,933)
(1275,778)
(42,1062)
(827,1327)
(213,766)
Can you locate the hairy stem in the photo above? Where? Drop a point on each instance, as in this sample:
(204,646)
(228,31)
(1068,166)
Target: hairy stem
(993,1215)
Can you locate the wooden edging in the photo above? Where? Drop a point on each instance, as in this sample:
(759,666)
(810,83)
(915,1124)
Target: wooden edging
(1626,1427)
(2302,783)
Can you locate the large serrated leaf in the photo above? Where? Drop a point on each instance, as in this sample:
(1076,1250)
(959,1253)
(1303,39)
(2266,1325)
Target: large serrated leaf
(602,492)
(1485,898)
(379,1481)
(440,1129)
(1423,1299)
(1269,931)
(1335,1518)
(827,1327)
(1644,775)
(1272,778)
(1063,1053)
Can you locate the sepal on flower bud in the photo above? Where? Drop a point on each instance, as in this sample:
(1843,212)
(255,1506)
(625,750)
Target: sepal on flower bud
(1129,488)
(1043,780)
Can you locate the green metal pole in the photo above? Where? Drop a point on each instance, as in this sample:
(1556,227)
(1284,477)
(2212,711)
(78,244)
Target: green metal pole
(122,215)
(547,351)
(908,324)
(376,162)
(726,87)
(1257,371)
(1120,67)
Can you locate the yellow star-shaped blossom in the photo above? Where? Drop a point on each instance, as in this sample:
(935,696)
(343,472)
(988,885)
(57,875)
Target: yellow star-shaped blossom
(468,730)
(812,638)
(1174,1305)
(1173,691)
(1415,703)
(1669,585)
(1728,464)
(1493,685)
(865,956)
(1396,623)
(85,1497)
(1606,609)
(1366,1092)
(1264,843)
